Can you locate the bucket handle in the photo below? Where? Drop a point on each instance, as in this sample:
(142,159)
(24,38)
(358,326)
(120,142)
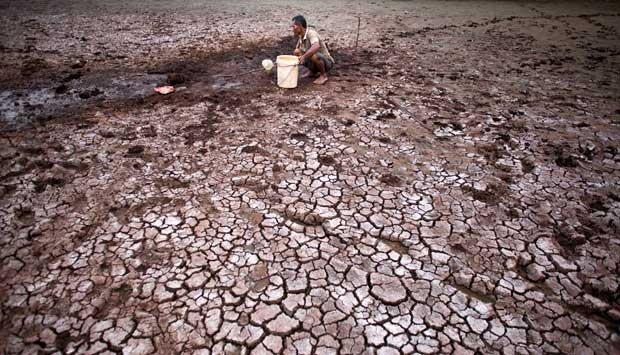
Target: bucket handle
(287,75)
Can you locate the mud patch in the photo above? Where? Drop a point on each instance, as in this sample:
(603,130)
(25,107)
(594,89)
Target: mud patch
(397,246)
(252,216)
(41,185)
(491,152)
(90,93)
(561,155)
(33,66)
(566,161)
(254,149)
(591,227)
(33,150)
(327,160)
(527,166)
(596,203)
(199,132)
(391,180)
(492,195)
(135,150)
(24,216)
(7,190)
(172,183)
(176,79)
(63,339)
(118,297)
(259,277)
(302,137)
(124,213)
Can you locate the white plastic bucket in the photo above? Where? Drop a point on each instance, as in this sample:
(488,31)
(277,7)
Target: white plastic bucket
(288,71)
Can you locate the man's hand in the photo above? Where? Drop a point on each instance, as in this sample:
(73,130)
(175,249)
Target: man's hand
(302,59)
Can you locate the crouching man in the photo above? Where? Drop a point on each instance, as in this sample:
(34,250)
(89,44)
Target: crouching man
(311,50)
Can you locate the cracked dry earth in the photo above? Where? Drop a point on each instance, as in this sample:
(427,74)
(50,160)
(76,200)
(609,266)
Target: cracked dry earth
(453,189)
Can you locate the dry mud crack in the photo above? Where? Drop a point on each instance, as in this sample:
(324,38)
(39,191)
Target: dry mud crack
(454,188)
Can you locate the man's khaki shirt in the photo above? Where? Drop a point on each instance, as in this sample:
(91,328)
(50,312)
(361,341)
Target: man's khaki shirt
(311,37)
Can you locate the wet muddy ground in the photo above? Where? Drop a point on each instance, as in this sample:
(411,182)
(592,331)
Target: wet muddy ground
(454,187)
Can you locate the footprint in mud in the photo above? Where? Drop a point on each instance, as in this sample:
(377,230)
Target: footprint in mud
(588,150)
(596,58)
(385,140)
(561,155)
(331,109)
(249,149)
(107,134)
(199,132)
(502,137)
(72,76)
(277,167)
(135,150)
(253,149)
(7,190)
(24,216)
(568,237)
(491,152)
(32,66)
(80,63)
(61,89)
(566,161)
(129,134)
(41,185)
(611,151)
(596,204)
(299,137)
(581,125)
(327,160)
(148,131)
(43,164)
(385,115)
(33,150)
(323,126)
(90,93)
(527,166)
(491,196)
(172,183)
(390,179)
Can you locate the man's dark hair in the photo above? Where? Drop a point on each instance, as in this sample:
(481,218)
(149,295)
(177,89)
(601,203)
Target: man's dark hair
(300,20)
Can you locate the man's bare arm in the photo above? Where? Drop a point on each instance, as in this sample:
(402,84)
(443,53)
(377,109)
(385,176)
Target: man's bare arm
(310,52)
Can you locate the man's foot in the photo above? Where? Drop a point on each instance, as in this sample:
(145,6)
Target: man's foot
(321,80)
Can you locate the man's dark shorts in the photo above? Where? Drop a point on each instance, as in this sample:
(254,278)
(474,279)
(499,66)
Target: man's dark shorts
(313,68)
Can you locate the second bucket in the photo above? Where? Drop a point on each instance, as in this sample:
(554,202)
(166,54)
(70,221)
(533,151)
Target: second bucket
(288,71)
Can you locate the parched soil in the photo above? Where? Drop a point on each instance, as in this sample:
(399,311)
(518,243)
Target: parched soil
(453,188)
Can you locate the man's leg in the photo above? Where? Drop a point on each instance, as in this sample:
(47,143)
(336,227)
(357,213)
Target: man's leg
(313,71)
(323,65)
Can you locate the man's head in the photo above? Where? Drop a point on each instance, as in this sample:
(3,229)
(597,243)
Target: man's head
(299,25)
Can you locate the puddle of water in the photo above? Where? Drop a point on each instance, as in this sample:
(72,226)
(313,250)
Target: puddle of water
(20,107)
(138,85)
